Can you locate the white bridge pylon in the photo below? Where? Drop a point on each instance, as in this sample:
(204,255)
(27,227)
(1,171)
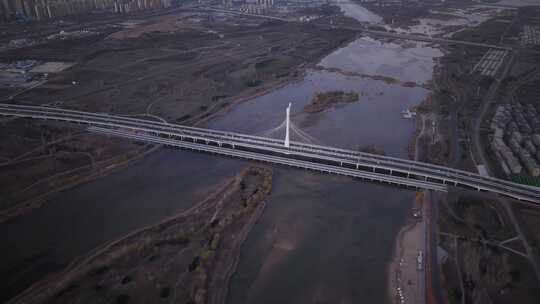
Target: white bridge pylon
(287,122)
(292,132)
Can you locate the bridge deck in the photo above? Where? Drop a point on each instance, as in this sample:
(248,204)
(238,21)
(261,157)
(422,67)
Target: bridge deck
(315,157)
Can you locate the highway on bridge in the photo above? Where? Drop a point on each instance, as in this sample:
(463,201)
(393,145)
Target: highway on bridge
(314,157)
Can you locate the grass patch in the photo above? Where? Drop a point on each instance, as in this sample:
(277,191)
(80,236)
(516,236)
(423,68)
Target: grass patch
(526,180)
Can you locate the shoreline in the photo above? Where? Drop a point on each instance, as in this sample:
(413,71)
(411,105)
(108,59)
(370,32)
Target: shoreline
(405,279)
(393,266)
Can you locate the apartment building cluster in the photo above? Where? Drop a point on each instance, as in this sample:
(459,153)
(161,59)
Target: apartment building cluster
(516,138)
(45,9)
(140,5)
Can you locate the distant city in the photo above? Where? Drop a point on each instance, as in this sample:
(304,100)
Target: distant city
(26,10)
(43,9)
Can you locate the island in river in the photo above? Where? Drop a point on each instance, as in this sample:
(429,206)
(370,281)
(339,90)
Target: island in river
(323,100)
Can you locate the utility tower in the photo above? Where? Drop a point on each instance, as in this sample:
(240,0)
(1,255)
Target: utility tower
(287,118)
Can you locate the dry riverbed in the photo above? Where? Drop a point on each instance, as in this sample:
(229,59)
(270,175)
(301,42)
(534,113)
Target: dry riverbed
(188,258)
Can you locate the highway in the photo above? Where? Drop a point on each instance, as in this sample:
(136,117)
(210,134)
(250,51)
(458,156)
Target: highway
(316,157)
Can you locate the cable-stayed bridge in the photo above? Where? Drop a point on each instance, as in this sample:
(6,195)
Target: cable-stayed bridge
(288,152)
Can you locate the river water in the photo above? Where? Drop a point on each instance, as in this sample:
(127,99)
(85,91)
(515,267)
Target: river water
(322,238)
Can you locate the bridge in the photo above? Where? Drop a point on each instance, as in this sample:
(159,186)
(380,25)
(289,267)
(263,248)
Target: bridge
(370,167)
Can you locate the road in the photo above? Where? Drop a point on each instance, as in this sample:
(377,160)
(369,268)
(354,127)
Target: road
(432,278)
(486,104)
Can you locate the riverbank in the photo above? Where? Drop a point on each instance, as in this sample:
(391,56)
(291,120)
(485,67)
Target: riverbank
(192,254)
(396,265)
(405,272)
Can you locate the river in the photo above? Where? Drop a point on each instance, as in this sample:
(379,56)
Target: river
(321,239)
(326,238)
